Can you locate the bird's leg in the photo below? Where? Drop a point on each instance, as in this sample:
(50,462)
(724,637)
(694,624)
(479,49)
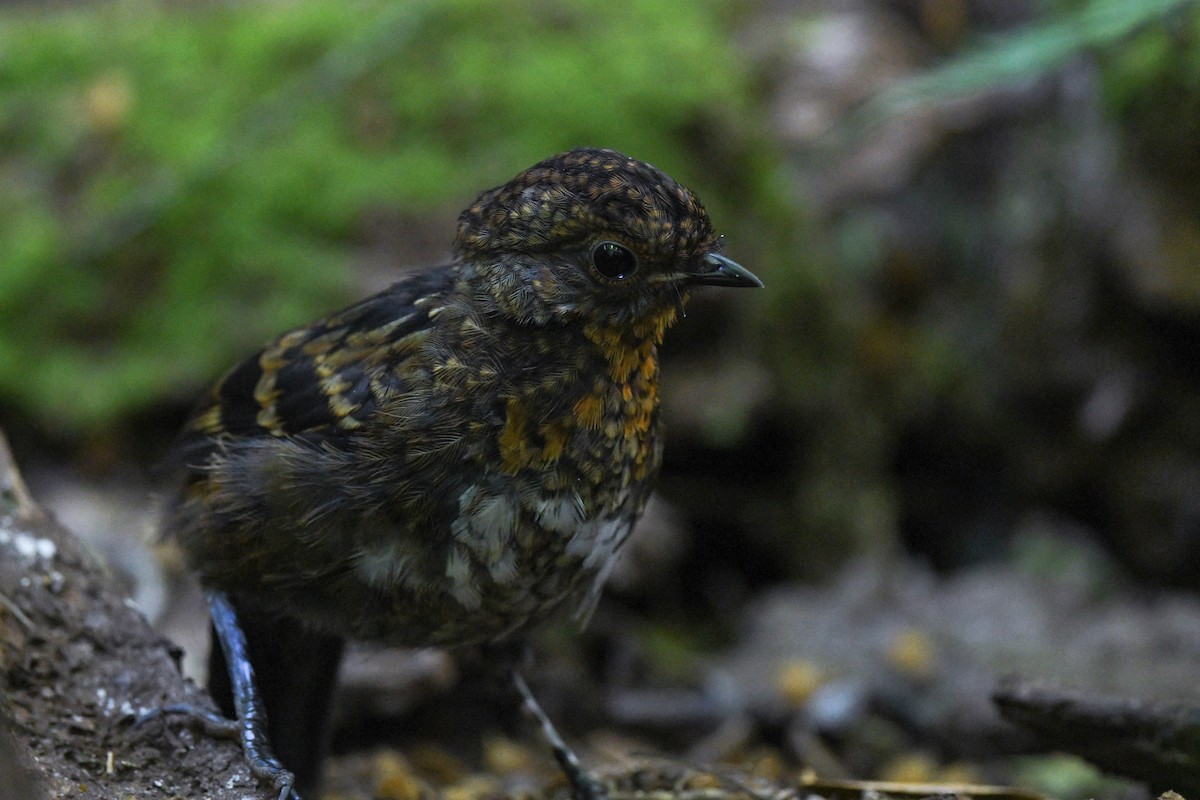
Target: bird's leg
(250,727)
(251,718)
(584,785)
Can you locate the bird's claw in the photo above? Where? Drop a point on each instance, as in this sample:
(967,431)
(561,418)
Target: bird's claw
(262,766)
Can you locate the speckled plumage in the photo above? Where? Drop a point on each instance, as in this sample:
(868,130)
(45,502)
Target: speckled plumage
(462,454)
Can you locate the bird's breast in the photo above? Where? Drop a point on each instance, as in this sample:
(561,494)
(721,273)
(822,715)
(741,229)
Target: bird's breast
(596,428)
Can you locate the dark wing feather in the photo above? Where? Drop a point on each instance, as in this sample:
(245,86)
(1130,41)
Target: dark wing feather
(320,381)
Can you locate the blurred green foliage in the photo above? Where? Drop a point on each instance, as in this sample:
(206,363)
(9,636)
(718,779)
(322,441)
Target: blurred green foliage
(1140,36)
(1065,777)
(1169,51)
(180,181)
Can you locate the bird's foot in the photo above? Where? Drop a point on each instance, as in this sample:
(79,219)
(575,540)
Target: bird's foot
(584,785)
(262,764)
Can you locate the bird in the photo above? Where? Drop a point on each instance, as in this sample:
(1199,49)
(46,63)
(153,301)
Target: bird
(448,462)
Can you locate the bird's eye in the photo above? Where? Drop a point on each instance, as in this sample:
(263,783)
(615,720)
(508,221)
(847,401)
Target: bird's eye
(613,261)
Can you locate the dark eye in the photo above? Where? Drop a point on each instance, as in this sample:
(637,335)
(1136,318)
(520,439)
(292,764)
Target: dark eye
(614,261)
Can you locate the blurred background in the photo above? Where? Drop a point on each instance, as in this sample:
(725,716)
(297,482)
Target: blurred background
(978,353)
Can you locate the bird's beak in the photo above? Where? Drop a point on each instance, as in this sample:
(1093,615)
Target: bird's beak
(717,270)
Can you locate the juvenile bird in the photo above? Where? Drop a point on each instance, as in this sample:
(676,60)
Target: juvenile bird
(449,461)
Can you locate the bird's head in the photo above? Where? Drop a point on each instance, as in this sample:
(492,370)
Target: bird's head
(593,236)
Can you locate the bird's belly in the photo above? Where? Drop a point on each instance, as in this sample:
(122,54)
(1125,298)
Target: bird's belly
(485,593)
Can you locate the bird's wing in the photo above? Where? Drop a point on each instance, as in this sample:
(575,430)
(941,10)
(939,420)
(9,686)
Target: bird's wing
(320,381)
